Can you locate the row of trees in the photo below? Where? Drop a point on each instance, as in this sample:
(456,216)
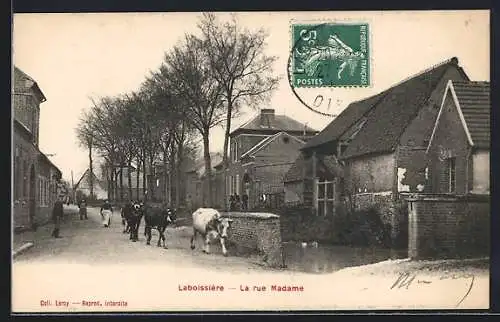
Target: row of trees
(203,82)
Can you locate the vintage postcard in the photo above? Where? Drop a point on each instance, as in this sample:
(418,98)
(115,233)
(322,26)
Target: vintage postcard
(250,161)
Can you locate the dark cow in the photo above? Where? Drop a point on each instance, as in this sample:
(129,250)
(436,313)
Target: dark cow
(159,218)
(126,213)
(132,214)
(209,223)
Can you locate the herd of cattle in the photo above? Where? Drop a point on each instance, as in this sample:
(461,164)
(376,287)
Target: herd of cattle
(207,222)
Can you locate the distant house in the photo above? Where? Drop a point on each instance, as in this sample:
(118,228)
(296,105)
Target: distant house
(82,186)
(35,177)
(196,186)
(136,186)
(380,142)
(261,151)
(459,148)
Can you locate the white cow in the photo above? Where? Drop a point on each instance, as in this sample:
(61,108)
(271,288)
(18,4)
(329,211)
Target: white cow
(209,223)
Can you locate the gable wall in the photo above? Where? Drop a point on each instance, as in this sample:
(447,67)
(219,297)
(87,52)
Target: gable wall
(450,136)
(411,157)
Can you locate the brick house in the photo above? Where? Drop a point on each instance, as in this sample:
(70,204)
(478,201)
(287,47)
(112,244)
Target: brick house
(261,151)
(452,217)
(459,148)
(35,176)
(380,142)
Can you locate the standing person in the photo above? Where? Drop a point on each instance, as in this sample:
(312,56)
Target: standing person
(57,213)
(106,212)
(244,199)
(231,202)
(237,202)
(83,209)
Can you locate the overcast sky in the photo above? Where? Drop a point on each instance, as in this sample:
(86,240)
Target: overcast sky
(77,56)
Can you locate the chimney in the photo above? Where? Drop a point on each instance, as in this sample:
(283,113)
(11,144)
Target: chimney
(266,117)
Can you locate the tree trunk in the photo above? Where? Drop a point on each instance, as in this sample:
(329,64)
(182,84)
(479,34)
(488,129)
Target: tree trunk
(111,184)
(225,154)
(121,182)
(178,172)
(166,188)
(137,178)
(150,185)
(129,179)
(91,180)
(208,171)
(116,185)
(171,174)
(144,175)
(108,180)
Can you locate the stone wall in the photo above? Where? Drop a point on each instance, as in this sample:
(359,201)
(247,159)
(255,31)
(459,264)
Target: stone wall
(448,226)
(257,232)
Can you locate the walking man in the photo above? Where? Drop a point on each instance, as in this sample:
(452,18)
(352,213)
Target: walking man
(57,214)
(83,209)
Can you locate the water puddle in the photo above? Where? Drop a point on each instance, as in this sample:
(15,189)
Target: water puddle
(328,258)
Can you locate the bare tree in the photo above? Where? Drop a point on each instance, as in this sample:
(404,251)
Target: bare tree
(238,62)
(193,82)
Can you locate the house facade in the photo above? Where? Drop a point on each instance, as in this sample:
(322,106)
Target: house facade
(195,192)
(261,152)
(459,148)
(82,187)
(35,177)
(380,143)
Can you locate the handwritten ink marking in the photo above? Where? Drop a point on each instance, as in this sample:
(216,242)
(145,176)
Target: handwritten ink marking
(404,280)
(469,289)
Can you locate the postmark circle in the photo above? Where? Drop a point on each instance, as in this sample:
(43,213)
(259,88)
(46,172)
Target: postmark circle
(331,60)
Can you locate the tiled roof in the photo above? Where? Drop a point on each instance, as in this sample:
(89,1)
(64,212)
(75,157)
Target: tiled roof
(343,121)
(474,101)
(277,123)
(387,114)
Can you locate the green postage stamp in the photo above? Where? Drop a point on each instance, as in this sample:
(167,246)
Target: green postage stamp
(330,55)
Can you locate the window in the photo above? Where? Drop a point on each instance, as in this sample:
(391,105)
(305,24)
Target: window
(451,175)
(237,184)
(47,190)
(325,201)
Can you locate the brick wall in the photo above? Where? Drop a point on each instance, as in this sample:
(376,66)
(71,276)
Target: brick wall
(257,232)
(448,226)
